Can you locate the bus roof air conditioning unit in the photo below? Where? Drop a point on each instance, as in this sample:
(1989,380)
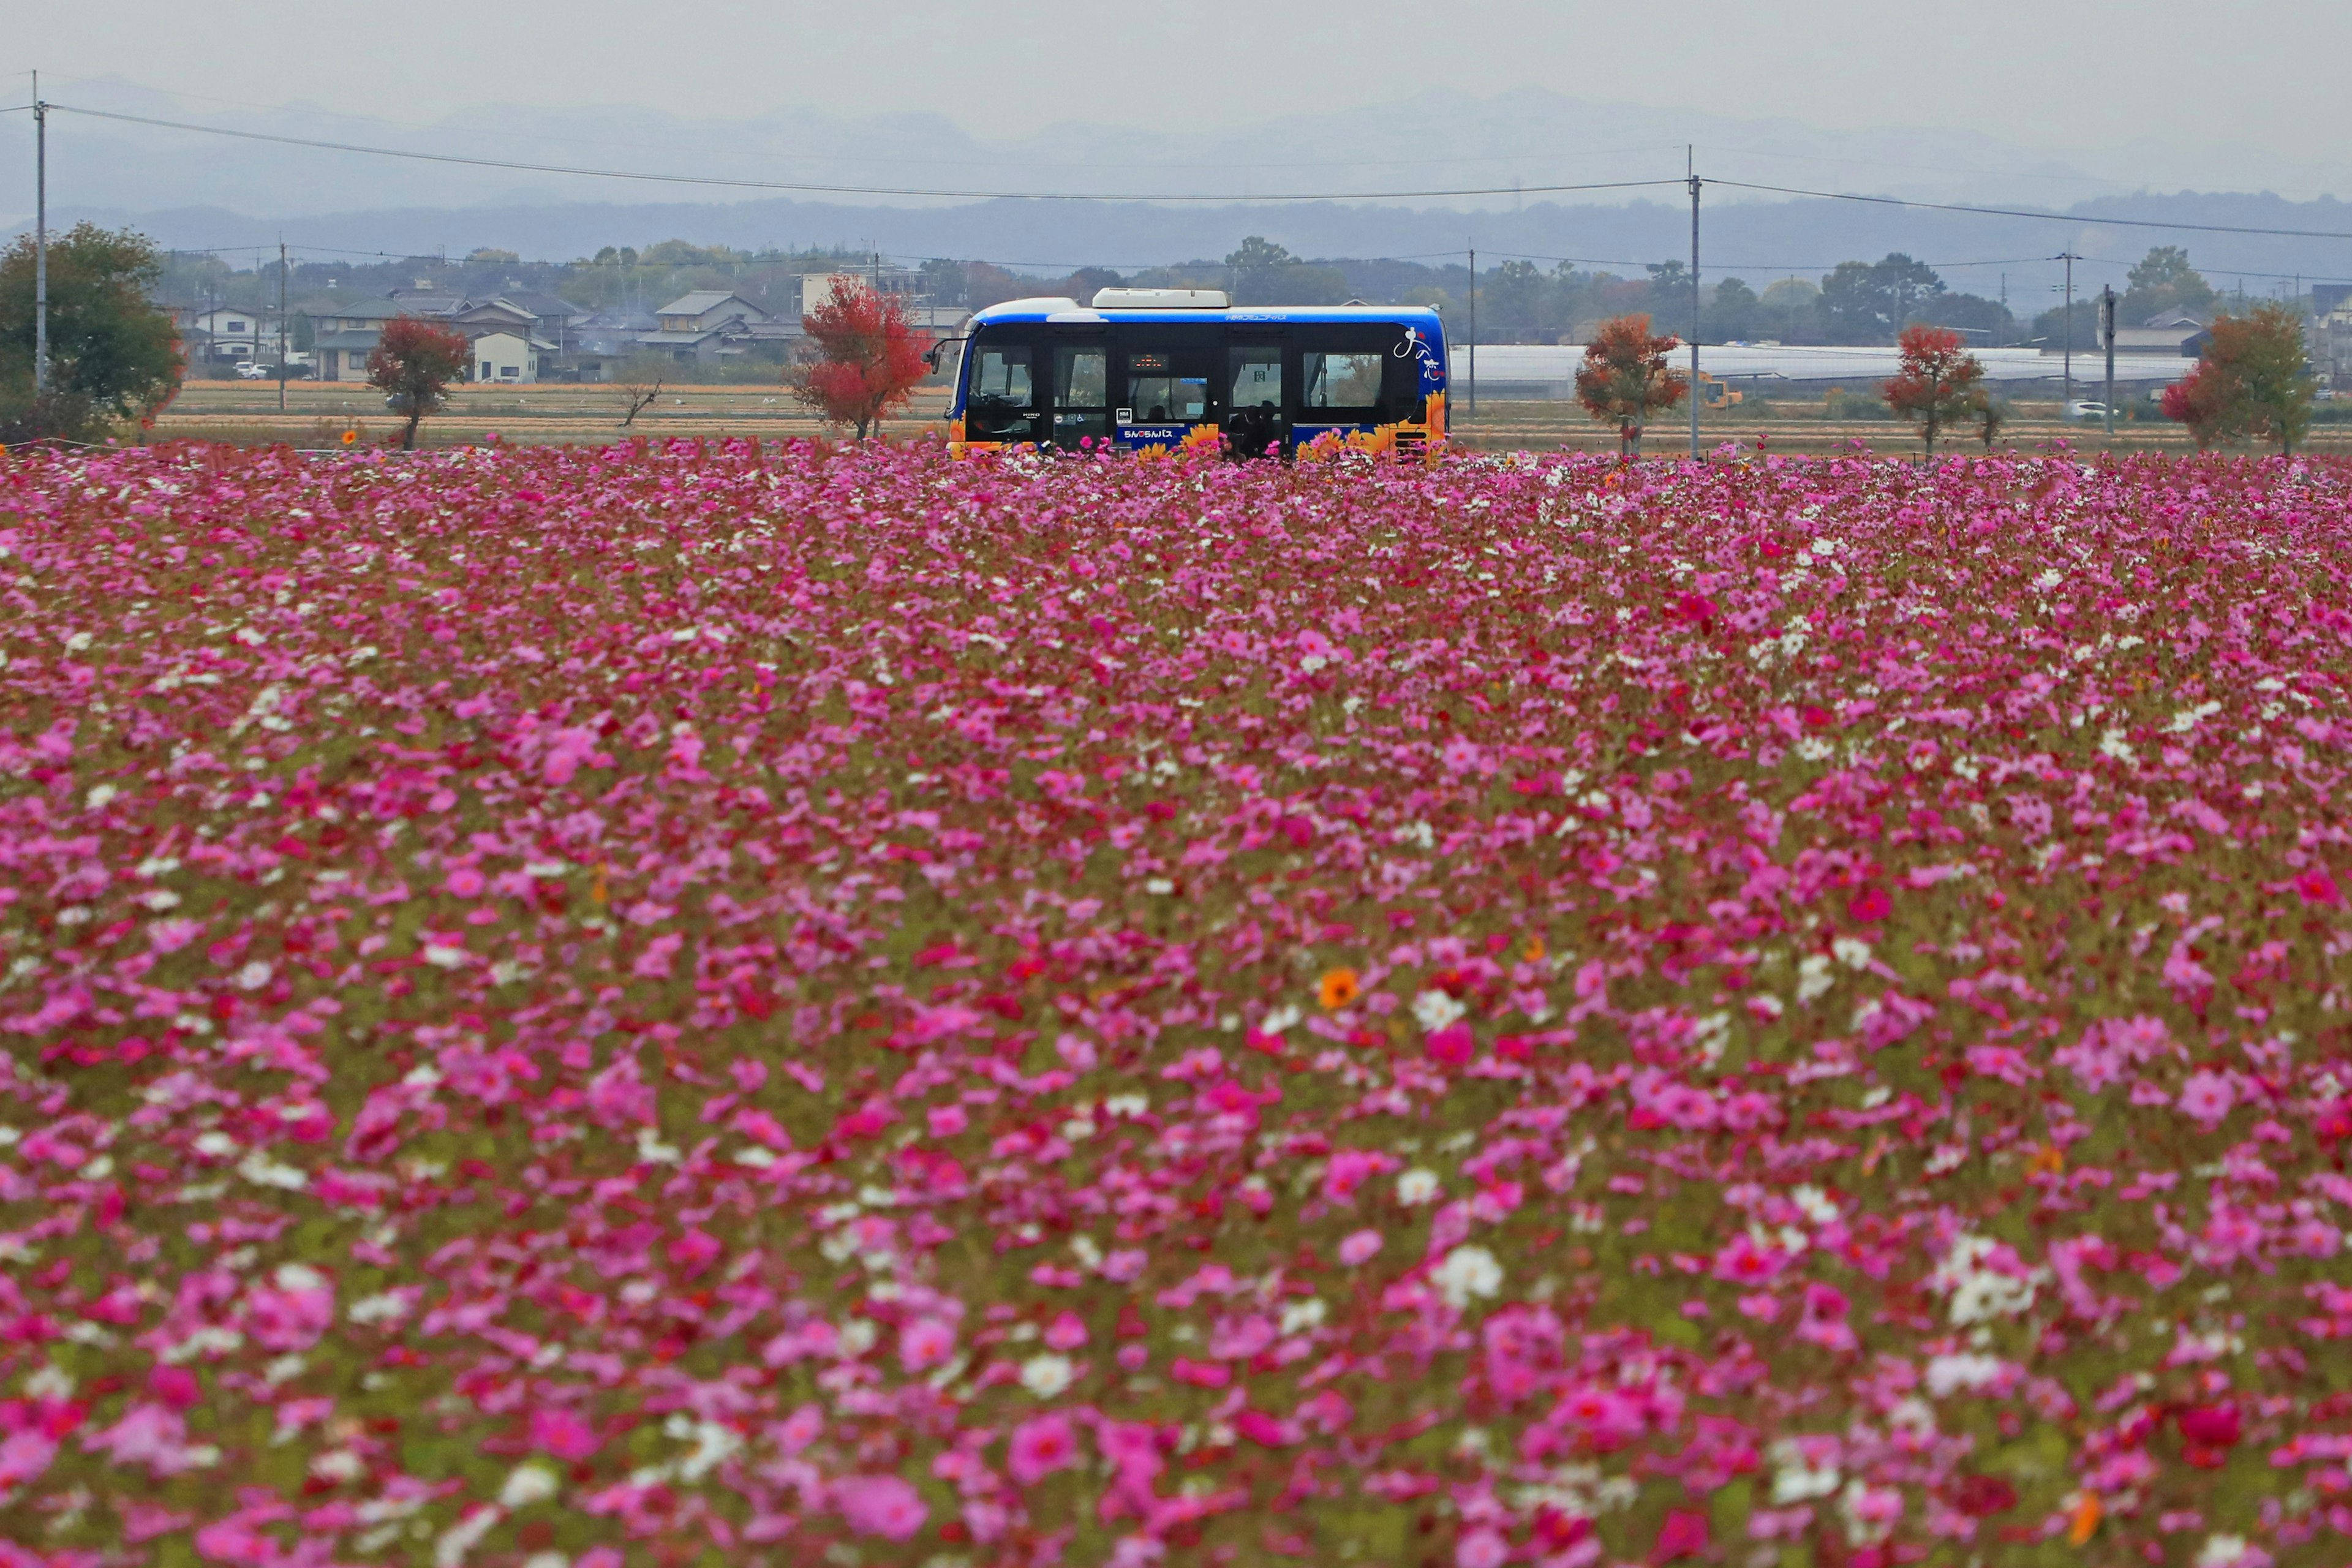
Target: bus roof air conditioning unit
(1160,300)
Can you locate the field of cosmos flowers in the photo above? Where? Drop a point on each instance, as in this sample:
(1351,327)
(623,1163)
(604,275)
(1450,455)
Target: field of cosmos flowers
(790,1006)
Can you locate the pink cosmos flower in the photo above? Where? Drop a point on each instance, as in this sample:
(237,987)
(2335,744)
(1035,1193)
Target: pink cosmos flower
(1068,1331)
(1481,1547)
(2207,1097)
(924,1343)
(1684,1534)
(1451,1045)
(1360,1248)
(561,1433)
(1040,1446)
(881,1505)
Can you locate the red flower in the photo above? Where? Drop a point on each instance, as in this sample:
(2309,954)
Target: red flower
(1981,1497)
(2213,1425)
(1684,1534)
(1869,905)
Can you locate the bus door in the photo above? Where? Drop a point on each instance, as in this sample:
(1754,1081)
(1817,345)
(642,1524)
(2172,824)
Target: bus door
(1081,387)
(1257,416)
(1168,386)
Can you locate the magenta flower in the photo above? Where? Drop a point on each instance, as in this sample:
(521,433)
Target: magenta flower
(924,1343)
(881,1505)
(1041,1445)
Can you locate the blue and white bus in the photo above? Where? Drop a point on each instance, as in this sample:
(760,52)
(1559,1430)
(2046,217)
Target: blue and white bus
(1158,368)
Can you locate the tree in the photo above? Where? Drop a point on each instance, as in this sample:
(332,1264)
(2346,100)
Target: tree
(412,365)
(866,358)
(2252,382)
(944,281)
(1257,270)
(1731,313)
(2164,281)
(1626,378)
(1937,384)
(1790,311)
(639,396)
(112,355)
(1515,299)
(1870,301)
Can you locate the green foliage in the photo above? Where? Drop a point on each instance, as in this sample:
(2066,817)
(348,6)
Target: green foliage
(1263,273)
(2260,377)
(2164,281)
(1870,301)
(112,355)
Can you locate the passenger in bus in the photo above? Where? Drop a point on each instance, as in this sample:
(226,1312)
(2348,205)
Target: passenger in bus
(1158,413)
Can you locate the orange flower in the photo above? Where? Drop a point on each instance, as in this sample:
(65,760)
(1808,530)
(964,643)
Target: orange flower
(2085,1520)
(1338,988)
(1535,950)
(2048,1160)
(349,436)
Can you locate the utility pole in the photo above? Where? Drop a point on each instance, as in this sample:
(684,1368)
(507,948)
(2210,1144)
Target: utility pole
(2107,326)
(1473,330)
(1690,164)
(2069,258)
(40,240)
(2004,296)
(281,323)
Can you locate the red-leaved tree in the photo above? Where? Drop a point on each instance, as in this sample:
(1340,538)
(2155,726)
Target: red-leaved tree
(865,358)
(1626,378)
(1939,382)
(413,364)
(2200,400)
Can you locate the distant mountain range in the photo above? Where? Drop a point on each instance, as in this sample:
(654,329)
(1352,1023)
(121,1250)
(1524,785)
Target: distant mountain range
(194,191)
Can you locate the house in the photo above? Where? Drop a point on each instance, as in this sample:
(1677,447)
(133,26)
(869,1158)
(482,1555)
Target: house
(603,341)
(552,315)
(2179,334)
(347,333)
(508,355)
(229,333)
(708,309)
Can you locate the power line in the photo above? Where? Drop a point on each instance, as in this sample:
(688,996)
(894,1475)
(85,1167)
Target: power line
(2077,218)
(813,188)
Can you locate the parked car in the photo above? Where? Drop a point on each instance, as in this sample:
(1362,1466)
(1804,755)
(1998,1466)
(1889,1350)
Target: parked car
(2086,408)
(246,369)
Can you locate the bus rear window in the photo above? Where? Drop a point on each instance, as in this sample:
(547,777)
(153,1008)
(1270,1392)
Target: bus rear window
(1343,380)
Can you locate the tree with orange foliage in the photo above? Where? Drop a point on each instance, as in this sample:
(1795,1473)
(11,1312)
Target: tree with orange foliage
(865,358)
(1626,378)
(2251,383)
(1939,382)
(413,364)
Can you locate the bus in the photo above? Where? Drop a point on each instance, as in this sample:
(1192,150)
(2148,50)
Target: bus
(1152,368)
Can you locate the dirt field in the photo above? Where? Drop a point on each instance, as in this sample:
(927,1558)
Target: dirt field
(318,415)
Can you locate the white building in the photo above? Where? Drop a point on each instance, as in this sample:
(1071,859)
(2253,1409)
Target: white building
(231,332)
(511,357)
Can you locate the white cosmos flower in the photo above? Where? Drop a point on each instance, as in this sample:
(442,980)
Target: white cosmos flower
(1467,1272)
(1045,1376)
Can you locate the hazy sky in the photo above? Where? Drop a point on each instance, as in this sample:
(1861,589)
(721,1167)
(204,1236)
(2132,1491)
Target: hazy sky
(2055,73)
